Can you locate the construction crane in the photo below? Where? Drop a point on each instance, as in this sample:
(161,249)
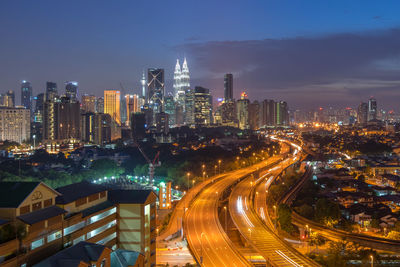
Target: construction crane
(152,164)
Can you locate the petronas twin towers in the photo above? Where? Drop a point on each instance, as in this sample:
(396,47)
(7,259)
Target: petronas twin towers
(181,81)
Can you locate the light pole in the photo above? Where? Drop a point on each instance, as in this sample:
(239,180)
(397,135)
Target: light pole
(372,260)
(188,180)
(34,141)
(250,239)
(276,217)
(219,166)
(215,169)
(204,173)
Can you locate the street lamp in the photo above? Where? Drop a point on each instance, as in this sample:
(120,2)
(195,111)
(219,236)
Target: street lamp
(372,260)
(226,220)
(215,169)
(276,217)
(188,179)
(201,244)
(204,173)
(248,229)
(219,166)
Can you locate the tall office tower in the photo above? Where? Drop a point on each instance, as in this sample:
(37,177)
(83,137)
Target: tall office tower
(202,106)
(69,118)
(268,113)
(177,79)
(112,102)
(71,90)
(372,109)
(162,123)
(123,110)
(39,104)
(15,124)
(138,125)
(189,108)
(143,82)
(228,87)
(170,109)
(242,108)
(148,114)
(88,103)
(50,121)
(281,113)
(132,106)
(100,104)
(156,89)
(362,113)
(7,99)
(26,95)
(95,129)
(185,77)
(228,113)
(51,91)
(254,115)
(179,116)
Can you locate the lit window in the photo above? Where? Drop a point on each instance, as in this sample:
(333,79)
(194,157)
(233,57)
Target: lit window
(37,243)
(54,236)
(74,228)
(101,229)
(102,215)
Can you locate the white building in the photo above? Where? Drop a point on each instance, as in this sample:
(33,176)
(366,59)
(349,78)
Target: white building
(15,124)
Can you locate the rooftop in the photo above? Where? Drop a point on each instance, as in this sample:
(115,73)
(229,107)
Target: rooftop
(12,194)
(41,215)
(129,196)
(76,191)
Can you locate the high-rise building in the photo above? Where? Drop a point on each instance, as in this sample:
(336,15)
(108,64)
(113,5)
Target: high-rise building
(202,106)
(162,123)
(7,99)
(132,106)
(177,79)
(100,104)
(71,90)
(138,125)
(88,103)
(15,124)
(362,113)
(95,128)
(228,87)
(372,109)
(189,107)
(185,77)
(254,115)
(281,113)
(51,91)
(268,113)
(179,116)
(143,83)
(242,108)
(170,109)
(26,95)
(156,90)
(112,102)
(228,113)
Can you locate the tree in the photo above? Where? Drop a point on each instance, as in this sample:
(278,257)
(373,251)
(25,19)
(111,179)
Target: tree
(305,210)
(285,218)
(106,167)
(327,212)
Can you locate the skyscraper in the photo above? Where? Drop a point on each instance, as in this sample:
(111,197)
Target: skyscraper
(177,79)
(372,109)
(26,94)
(7,99)
(254,115)
(202,106)
(132,106)
(71,90)
(281,113)
(228,87)
(88,103)
(112,102)
(189,107)
(51,91)
(143,83)
(242,108)
(268,113)
(362,113)
(14,124)
(185,77)
(156,90)
(170,109)
(100,104)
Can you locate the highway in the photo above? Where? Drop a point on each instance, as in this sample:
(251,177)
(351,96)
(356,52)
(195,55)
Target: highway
(260,234)
(208,241)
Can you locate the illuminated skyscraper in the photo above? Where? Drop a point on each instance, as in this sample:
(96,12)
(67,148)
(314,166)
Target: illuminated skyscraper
(112,104)
(242,108)
(156,89)
(26,95)
(254,115)
(51,91)
(100,104)
(185,77)
(281,113)
(177,79)
(143,83)
(268,113)
(362,113)
(372,109)
(202,106)
(71,91)
(132,106)
(170,109)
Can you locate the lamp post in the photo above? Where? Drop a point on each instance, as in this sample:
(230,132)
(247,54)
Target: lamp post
(215,169)
(372,260)
(219,166)
(201,244)
(276,217)
(188,179)
(250,239)
(204,174)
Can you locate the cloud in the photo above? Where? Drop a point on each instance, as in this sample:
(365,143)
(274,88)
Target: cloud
(341,67)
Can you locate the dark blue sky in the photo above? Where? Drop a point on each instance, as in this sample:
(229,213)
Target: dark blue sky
(306,52)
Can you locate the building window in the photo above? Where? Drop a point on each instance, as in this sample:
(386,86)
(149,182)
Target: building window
(74,228)
(79,239)
(48,202)
(37,206)
(107,239)
(54,236)
(102,215)
(101,229)
(24,209)
(37,243)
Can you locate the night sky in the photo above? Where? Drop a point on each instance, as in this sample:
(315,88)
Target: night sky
(305,52)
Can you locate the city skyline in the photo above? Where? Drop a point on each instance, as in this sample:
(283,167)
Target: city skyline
(212,49)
